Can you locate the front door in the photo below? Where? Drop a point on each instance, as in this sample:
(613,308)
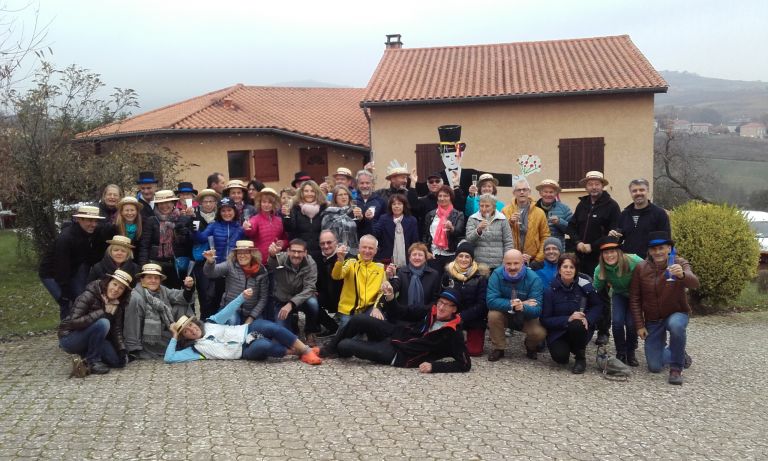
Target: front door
(314,161)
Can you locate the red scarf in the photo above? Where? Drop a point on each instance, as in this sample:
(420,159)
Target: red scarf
(440,240)
(251,270)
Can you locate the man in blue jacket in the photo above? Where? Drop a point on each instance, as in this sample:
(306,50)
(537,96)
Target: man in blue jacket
(514,299)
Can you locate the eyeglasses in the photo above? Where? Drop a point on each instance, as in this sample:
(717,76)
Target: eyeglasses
(523,190)
(296,251)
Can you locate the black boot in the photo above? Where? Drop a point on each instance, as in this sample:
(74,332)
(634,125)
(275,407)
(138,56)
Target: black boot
(602,338)
(623,358)
(632,359)
(581,362)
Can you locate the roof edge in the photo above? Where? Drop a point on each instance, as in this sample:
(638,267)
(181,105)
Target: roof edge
(411,102)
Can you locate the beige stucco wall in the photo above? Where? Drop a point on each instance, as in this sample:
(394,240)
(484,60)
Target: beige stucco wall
(497,133)
(208,153)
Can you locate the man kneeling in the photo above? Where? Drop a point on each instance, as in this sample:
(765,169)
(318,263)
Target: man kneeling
(436,335)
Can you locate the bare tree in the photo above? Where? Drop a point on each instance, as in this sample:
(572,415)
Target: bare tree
(680,172)
(19,41)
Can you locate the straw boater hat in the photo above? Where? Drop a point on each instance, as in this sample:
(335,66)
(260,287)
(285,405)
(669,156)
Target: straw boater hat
(130,200)
(341,171)
(549,183)
(87,212)
(152,269)
(121,240)
(246,245)
(165,196)
(122,277)
(268,191)
(487,177)
(208,193)
(594,175)
(396,171)
(235,184)
(183,322)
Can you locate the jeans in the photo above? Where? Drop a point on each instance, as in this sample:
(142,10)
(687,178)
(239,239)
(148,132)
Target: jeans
(76,288)
(622,325)
(273,342)
(656,354)
(377,348)
(311,309)
(92,344)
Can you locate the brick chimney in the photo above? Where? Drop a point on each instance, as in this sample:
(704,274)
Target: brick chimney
(229,104)
(393,41)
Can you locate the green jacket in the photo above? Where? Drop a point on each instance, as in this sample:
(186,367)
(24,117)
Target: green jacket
(620,285)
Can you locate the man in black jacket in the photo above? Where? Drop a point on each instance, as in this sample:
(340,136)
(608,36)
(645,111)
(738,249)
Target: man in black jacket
(639,219)
(147,188)
(328,289)
(64,269)
(595,216)
(436,336)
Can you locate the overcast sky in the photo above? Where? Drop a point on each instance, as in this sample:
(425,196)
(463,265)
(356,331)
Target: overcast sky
(172,50)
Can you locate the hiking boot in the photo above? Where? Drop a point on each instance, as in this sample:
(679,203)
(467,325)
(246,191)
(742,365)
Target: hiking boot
(579,367)
(533,355)
(495,355)
(632,359)
(675,377)
(688,361)
(602,339)
(311,358)
(99,368)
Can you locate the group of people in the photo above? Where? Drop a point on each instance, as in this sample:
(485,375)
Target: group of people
(410,275)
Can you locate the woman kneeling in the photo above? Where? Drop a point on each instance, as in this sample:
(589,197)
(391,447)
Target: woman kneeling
(214,340)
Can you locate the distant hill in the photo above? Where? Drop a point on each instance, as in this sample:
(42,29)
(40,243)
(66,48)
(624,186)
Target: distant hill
(731,99)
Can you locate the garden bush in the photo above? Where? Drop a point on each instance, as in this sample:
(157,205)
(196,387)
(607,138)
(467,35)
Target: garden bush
(721,247)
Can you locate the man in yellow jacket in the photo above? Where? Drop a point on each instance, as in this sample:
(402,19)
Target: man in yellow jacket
(528,222)
(362,280)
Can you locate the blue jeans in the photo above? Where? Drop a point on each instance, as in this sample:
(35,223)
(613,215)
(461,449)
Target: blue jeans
(622,325)
(92,344)
(311,309)
(76,288)
(273,342)
(656,352)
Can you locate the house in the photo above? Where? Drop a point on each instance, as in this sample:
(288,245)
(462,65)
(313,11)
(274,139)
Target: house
(580,105)
(681,126)
(752,130)
(700,128)
(252,131)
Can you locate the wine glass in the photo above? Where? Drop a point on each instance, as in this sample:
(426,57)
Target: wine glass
(474,180)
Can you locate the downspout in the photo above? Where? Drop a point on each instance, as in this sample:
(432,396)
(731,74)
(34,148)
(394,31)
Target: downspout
(370,142)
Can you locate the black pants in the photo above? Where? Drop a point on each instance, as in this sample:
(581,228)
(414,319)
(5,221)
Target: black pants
(604,324)
(327,321)
(574,341)
(213,294)
(376,349)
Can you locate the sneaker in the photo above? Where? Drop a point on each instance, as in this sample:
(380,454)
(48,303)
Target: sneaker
(676,377)
(311,358)
(688,361)
(99,368)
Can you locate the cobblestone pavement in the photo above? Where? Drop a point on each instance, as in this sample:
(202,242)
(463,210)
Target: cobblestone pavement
(515,408)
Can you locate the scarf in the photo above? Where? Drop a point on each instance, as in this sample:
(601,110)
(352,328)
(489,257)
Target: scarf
(310,210)
(516,278)
(167,223)
(440,240)
(251,270)
(130,229)
(153,330)
(523,223)
(398,251)
(454,270)
(415,288)
(208,217)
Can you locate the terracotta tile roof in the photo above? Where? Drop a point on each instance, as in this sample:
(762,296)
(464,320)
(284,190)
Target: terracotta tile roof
(511,70)
(329,114)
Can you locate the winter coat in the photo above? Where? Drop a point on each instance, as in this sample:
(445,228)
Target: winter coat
(294,285)
(88,308)
(546,271)
(496,240)
(456,218)
(564,214)
(384,231)
(428,202)
(265,229)
(237,282)
(410,194)
(340,220)
(225,235)
(328,289)
(561,301)
(652,297)
(620,285)
(416,344)
(635,235)
(146,211)
(499,292)
(302,227)
(108,266)
(362,283)
(365,226)
(537,232)
(591,221)
(150,239)
(72,248)
(474,309)
(144,326)
(430,281)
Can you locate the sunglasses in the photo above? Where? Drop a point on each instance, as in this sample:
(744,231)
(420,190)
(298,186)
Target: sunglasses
(435,181)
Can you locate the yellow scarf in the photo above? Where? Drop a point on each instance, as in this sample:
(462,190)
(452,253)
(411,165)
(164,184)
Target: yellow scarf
(454,270)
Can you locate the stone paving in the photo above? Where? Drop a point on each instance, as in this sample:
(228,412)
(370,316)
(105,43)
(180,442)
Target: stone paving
(284,409)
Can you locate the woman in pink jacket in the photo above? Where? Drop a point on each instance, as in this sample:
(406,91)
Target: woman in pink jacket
(266,226)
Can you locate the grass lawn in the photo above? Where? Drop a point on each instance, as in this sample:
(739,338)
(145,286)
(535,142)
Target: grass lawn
(751,299)
(25,305)
(749,176)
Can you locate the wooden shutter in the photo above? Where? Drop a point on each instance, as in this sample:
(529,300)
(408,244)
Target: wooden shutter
(265,165)
(428,160)
(577,156)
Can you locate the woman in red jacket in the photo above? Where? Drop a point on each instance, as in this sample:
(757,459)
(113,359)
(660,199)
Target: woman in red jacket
(266,226)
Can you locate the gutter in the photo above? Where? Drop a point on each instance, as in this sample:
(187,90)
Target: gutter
(169,131)
(415,102)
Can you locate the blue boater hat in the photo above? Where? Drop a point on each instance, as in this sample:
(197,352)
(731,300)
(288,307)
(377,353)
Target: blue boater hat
(185,187)
(146,177)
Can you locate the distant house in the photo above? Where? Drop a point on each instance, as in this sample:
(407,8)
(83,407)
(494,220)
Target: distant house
(700,128)
(683,126)
(251,131)
(580,105)
(752,130)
